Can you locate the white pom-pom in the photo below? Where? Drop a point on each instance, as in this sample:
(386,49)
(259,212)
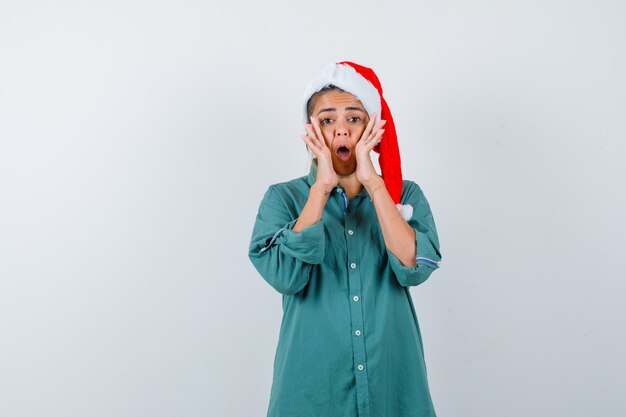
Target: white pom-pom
(406,210)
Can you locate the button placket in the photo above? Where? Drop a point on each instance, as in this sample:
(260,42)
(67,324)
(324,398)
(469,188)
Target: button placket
(342,198)
(357,317)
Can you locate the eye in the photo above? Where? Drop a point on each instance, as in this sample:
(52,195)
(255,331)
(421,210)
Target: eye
(326,120)
(354,119)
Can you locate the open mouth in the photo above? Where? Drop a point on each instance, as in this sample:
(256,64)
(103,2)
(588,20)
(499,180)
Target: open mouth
(343,152)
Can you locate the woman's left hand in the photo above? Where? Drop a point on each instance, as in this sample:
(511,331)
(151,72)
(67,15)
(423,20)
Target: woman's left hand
(365,172)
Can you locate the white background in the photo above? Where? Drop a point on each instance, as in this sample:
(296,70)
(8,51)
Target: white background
(136,142)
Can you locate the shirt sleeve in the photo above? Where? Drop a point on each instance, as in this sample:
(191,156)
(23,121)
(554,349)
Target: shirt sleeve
(428,256)
(282,256)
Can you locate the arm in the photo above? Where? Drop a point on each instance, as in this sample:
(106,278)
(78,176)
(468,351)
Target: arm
(399,236)
(314,207)
(415,254)
(281,255)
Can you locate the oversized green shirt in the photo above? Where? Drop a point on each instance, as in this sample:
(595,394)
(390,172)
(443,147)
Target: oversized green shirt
(349,343)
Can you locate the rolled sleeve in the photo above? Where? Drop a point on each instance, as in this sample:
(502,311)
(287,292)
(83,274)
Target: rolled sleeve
(428,252)
(282,256)
(307,246)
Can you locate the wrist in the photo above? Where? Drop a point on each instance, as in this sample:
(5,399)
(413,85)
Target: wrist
(321,189)
(373,184)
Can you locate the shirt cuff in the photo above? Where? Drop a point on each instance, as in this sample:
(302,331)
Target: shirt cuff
(426,262)
(308,245)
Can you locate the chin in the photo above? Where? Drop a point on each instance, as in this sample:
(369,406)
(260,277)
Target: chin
(345,168)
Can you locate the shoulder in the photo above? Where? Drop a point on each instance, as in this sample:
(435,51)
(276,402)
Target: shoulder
(295,183)
(410,187)
(412,193)
(287,190)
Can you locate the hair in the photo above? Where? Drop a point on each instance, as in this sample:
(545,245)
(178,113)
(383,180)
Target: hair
(311,102)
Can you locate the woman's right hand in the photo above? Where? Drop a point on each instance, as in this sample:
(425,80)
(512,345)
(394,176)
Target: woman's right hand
(326,175)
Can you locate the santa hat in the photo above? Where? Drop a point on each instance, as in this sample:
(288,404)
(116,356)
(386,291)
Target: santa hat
(363,83)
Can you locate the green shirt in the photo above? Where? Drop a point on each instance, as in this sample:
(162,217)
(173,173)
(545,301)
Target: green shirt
(349,343)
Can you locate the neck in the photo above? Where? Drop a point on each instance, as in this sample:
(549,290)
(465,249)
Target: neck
(350,184)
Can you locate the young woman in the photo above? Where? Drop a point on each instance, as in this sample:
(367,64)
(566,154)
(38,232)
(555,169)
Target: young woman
(343,245)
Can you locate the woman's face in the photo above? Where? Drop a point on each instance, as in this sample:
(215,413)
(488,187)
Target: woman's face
(342,119)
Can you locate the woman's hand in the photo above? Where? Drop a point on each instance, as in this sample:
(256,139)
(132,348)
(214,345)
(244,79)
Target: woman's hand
(326,175)
(365,171)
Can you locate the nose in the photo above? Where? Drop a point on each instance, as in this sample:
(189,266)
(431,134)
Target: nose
(341,129)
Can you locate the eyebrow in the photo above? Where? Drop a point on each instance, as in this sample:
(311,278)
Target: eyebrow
(334,109)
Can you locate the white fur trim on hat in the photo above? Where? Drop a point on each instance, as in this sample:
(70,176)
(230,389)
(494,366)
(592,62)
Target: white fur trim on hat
(346,78)
(406,210)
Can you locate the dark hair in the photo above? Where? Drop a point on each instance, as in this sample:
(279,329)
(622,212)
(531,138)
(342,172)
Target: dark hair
(311,102)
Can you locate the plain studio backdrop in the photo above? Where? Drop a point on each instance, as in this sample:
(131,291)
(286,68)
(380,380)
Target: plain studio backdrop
(138,138)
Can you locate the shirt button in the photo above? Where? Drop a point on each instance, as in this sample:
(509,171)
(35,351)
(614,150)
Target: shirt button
(339,190)
(360,367)
(355,298)
(352,265)
(350,232)
(357,332)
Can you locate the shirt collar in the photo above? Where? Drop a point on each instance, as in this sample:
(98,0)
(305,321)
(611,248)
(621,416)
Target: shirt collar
(310,179)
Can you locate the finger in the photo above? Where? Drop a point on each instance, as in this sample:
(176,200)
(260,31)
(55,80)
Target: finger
(318,131)
(310,139)
(376,139)
(376,129)
(365,137)
(311,147)
(380,124)
(312,136)
(375,133)
(370,142)
(308,143)
(370,123)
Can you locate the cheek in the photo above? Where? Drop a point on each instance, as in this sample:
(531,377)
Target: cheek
(359,131)
(328,134)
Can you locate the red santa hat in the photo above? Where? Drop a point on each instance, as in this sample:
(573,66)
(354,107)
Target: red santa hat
(363,83)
